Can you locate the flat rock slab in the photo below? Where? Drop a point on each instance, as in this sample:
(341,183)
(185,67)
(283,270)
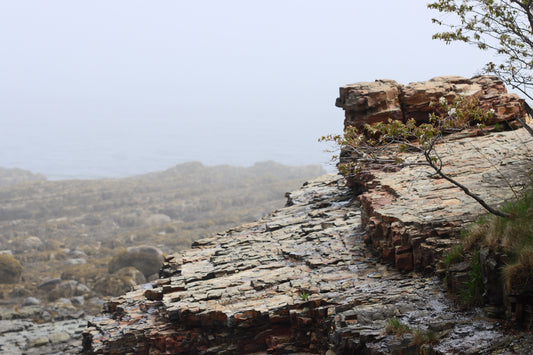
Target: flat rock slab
(26,337)
(297,281)
(411,214)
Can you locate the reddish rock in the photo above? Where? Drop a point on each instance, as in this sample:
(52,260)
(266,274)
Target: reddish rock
(404,259)
(370,102)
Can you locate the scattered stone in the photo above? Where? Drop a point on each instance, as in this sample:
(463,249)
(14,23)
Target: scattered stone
(33,243)
(78,300)
(75,261)
(19,292)
(30,301)
(49,285)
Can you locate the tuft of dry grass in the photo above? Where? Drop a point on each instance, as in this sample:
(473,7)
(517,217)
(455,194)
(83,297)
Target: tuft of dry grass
(421,337)
(519,274)
(396,327)
(511,236)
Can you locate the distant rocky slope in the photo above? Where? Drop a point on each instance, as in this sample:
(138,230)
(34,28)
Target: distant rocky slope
(302,280)
(14,176)
(67,245)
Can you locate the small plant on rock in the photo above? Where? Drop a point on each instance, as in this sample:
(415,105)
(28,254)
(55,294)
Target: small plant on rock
(304,295)
(512,237)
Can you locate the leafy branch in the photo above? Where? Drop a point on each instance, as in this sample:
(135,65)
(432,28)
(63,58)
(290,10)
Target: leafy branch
(501,26)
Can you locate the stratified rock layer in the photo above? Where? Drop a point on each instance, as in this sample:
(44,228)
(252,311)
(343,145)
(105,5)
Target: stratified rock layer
(299,280)
(371,102)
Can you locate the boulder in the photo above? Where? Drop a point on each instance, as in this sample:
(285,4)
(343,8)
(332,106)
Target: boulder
(10,269)
(33,243)
(158,219)
(145,258)
(297,281)
(120,282)
(410,214)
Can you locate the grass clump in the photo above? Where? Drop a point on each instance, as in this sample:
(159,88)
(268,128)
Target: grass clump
(512,237)
(454,256)
(422,337)
(472,293)
(396,327)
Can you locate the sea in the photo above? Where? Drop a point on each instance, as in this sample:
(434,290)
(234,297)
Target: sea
(92,149)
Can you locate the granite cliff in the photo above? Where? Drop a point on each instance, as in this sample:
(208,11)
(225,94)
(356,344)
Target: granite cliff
(328,272)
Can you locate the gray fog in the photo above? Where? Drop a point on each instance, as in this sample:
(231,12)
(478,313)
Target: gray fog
(115,88)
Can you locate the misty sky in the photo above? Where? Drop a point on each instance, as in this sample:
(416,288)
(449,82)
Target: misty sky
(150,84)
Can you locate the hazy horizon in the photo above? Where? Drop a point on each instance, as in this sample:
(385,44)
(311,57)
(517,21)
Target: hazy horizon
(110,89)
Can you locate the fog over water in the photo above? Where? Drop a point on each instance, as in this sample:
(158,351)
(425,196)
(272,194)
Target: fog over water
(116,88)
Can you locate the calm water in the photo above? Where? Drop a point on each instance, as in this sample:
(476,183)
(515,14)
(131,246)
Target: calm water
(117,148)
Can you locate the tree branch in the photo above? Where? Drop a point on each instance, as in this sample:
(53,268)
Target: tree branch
(438,170)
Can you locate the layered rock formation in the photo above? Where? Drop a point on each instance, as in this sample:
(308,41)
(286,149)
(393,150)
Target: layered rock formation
(411,215)
(299,280)
(371,102)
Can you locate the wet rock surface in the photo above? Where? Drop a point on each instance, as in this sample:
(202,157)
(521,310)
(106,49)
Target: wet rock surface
(299,280)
